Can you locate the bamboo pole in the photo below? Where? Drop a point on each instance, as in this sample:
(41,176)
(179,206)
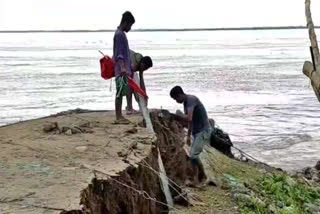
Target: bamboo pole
(312,36)
(314,77)
(145,113)
(312,69)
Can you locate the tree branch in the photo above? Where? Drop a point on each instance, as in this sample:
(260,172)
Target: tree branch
(312,36)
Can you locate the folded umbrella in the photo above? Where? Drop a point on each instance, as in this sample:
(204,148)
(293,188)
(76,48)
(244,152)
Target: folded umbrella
(136,88)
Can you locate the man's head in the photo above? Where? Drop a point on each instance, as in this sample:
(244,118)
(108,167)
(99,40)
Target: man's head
(145,63)
(177,94)
(127,21)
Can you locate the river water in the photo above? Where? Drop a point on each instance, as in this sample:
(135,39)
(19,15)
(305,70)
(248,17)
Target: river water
(250,82)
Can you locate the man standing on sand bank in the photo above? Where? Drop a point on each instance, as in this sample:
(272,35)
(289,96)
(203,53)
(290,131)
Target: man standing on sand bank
(198,125)
(121,57)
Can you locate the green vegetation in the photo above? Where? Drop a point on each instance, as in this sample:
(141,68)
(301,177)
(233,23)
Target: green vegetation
(281,194)
(249,188)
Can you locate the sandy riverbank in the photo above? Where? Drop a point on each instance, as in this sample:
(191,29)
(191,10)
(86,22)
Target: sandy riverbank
(47,166)
(50,169)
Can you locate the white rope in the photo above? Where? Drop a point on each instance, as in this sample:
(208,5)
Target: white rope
(110,88)
(155,171)
(249,156)
(142,193)
(158,173)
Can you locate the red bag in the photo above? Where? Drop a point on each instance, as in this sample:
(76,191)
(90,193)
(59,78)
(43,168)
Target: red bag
(107,67)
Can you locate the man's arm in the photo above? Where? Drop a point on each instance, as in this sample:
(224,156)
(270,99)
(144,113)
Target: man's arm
(142,85)
(181,118)
(190,114)
(122,67)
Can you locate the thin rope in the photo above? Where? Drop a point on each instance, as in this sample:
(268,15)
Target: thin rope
(142,193)
(110,88)
(249,156)
(158,173)
(148,165)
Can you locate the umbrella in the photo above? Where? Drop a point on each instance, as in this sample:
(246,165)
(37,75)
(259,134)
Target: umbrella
(136,88)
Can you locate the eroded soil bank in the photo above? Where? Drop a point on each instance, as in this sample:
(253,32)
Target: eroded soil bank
(239,186)
(138,189)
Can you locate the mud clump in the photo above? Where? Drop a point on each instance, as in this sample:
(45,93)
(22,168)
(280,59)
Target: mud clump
(55,128)
(170,140)
(220,140)
(312,173)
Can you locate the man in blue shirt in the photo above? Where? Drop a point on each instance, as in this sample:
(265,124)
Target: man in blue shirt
(121,57)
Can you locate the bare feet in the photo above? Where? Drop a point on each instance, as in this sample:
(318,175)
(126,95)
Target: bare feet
(202,184)
(195,184)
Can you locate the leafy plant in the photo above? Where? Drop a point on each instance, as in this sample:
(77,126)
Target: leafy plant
(281,194)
